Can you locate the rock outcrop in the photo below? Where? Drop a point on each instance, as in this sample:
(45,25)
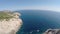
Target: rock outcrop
(52,31)
(12,25)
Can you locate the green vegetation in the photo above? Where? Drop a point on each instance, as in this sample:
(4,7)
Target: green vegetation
(5,15)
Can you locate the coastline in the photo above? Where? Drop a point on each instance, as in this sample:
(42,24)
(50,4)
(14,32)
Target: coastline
(11,26)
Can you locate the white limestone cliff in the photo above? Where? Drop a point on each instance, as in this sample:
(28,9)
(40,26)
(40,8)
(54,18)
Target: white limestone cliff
(12,25)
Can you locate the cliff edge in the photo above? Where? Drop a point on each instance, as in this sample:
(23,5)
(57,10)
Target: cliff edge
(10,22)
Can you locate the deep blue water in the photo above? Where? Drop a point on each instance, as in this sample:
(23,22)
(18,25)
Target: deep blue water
(41,20)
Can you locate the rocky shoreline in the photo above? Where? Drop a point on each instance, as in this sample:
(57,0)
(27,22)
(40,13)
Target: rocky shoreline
(11,26)
(52,31)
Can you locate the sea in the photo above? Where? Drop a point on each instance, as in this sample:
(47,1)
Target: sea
(38,21)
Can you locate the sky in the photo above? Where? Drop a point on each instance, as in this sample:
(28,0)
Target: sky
(53,5)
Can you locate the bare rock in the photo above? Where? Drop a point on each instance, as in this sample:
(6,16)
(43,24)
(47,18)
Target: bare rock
(11,26)
(52,31)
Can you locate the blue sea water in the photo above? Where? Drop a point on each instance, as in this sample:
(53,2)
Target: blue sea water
(38,21)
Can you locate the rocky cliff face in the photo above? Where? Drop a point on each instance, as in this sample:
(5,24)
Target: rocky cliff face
(10,26)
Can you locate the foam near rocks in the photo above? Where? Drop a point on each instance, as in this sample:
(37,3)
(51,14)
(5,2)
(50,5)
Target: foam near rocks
(52,31)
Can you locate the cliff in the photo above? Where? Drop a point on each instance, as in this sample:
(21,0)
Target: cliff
(10,22)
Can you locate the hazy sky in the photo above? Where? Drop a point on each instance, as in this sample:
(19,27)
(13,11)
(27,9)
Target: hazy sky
(30,4)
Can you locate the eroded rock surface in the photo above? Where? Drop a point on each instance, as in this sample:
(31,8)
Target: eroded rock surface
(10,26)
(52,31)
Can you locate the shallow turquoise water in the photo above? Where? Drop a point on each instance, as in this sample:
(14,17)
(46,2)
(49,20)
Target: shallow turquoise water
(41,20)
